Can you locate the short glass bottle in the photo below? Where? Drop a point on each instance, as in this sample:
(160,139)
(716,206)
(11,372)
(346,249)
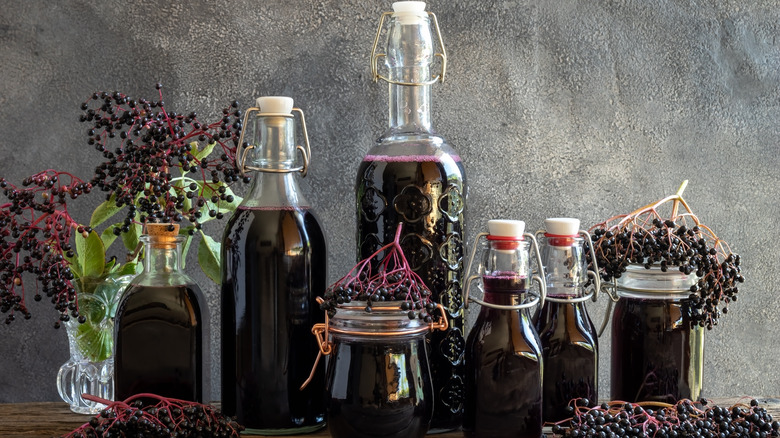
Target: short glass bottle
(413,176)
(503,350)
(569,339)
(273,268)
(161,325)
(657,355)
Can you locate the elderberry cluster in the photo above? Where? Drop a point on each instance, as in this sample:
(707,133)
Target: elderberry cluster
(667,245)
(390,279)
(35,235)
(683,420)
(159,167)
(413,295)
(168,418)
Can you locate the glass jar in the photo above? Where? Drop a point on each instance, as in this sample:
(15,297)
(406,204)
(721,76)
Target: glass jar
(569,339)
(378,378)
(503,351)
(656,354)
(161,325)
(413,176)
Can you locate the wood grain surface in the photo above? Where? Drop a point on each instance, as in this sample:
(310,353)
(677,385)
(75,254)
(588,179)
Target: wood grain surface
(46,420)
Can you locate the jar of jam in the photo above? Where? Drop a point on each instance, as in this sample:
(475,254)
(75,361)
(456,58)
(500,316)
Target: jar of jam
(378,378)
(657,354)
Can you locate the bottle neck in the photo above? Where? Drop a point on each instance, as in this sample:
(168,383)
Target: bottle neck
(565,268)
(162,259)
(275,150)
(410,54)
(410,108)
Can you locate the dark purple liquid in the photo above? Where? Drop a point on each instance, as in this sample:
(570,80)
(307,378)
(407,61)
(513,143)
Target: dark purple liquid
(274,266)
(503,367)
(651,351)
(570,350)
(158,349)
(427,194)
(379,389)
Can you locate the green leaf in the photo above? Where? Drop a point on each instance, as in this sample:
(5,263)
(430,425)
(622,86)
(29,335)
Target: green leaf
(130,238)
(200,154)
(104,211)
(91,254)
(208,258)
(187,242)
(108,237)
(129,268)
(75,266)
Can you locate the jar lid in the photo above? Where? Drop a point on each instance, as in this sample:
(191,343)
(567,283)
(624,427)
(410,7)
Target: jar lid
(562,226)
(640,282)
(385,319)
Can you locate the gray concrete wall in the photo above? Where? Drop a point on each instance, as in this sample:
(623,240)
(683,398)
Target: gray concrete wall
(558,108)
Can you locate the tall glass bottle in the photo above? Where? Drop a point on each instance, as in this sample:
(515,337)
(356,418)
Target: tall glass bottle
(160,325)
(273,268)
(503,351)
(412,175)
(569,339)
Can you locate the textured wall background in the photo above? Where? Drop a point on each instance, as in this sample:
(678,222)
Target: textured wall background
(558,108)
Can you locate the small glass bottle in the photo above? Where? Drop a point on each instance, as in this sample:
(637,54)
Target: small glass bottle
(413,176)
(503,351)
(160,324)
(569,339)
(273,268)
(657,354)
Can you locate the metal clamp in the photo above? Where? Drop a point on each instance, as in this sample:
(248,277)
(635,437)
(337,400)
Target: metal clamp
(375,56)
(242,151)
(592,273)
(538,298)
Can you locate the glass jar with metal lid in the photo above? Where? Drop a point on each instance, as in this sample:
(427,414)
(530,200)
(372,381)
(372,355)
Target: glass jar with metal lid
(378,377)
(657,354)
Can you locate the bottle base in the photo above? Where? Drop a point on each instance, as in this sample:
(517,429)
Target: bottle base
(285,432)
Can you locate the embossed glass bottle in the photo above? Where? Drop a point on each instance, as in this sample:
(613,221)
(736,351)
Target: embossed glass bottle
(569,339)
(273,268)
(412,175)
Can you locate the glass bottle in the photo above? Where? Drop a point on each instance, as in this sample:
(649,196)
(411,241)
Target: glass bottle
(412,175)
(569,339)
(273,268)
(503,351)
(161,324)
(656,354)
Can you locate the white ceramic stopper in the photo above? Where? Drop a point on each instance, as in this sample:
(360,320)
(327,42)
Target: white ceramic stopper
(562,226)
(275,104)
(409,12)
(506,228)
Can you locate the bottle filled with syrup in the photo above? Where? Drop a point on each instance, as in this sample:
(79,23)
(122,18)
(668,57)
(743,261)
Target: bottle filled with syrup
(161,325)
(413,176)
(273,268)
(504,361)
(569,339)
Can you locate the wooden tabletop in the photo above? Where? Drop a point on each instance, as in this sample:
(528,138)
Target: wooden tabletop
(46,420)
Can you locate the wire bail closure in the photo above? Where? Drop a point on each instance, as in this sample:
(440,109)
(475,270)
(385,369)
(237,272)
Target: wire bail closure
(242,151)
(375,56)
(322,332)
(592,273)
(537,299)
